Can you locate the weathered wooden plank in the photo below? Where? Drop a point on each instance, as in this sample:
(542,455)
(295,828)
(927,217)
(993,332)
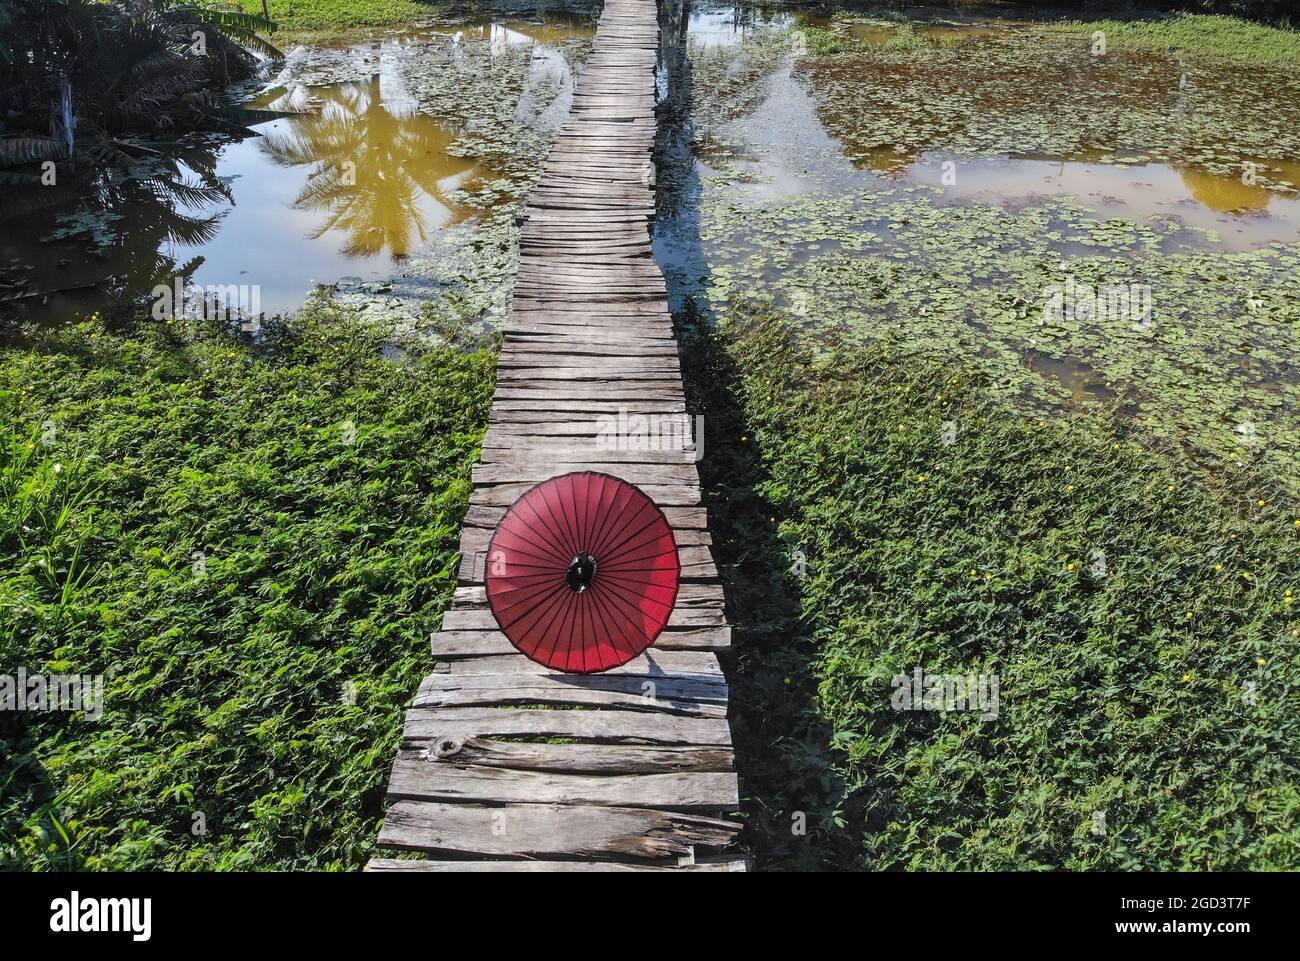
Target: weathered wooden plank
(648,686)
(553,692)
(535,471)
(415,778)
(665,495)
(674,663)
(550,830)
(590,390)
(532,349)
(454,645)
(577,450)
(621,365)
(680,518)
(571,758)
(426,866)
(622,727)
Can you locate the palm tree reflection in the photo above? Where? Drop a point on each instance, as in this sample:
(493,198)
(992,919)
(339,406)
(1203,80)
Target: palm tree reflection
(382,172)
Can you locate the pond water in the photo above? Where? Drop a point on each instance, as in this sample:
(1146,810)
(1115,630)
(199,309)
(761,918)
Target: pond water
(382,156)
(349,191)
(931,188)
(928,187)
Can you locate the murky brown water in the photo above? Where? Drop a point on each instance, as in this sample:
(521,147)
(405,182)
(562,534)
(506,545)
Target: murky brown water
(783,149)
(366,177)
(361,180)
(929,192)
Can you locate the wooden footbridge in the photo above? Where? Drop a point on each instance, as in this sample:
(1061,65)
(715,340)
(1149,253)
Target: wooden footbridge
(505,765)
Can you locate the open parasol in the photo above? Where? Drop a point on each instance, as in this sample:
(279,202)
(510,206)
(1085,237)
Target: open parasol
(582,572)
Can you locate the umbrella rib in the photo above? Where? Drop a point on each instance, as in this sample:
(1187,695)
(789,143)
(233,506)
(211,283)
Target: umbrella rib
(544,527)
(576,517)
(540,557)
(626,544)
(540,568)
(521,582)
(619,604)
(631,586)
(519,617)
(537,582)
(609,494)
(584,646)
(622,642)
(627,559)
(608,640)
(566,632)
(536,589)
(632,541)
(617,643)
(579,607)
(579,620)
(612,519)
(643,570)
(627,514)
(545,549)
(557,606)
(546,517)
(582,512)
(562,520)
(551,525)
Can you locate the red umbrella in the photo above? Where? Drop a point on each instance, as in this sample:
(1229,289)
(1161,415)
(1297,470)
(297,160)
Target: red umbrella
(582,572)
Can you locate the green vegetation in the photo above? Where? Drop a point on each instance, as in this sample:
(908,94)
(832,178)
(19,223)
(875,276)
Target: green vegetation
(827,42)
(1205,35)
(1018,92)
(867,246)
(82,77)
(1215,36)
(1104,532)
(253,545)
(1154,686)
(874,266)
(301,15)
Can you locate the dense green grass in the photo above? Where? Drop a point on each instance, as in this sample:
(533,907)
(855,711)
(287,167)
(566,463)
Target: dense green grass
(1224,37)
(266,691)
(1124,692)
(1203,35)
(299,15)
(827,42)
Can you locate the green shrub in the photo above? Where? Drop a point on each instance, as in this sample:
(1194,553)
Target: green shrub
(1223,37)
(1157,689)
(253,545)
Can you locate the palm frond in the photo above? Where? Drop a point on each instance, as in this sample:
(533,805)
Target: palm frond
(15,151)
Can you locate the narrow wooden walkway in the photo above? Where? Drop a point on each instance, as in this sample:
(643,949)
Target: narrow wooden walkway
(504,765)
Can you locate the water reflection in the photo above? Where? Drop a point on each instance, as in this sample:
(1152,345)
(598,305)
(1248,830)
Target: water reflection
(111,236)
(365,177)
(782,148)
(381,171)
(1243,215)
(727,26)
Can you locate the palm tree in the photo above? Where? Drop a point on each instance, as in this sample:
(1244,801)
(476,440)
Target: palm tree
(74,71)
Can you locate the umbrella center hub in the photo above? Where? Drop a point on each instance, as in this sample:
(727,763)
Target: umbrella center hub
(581,572)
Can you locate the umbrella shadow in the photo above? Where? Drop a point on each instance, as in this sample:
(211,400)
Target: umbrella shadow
(791,788)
